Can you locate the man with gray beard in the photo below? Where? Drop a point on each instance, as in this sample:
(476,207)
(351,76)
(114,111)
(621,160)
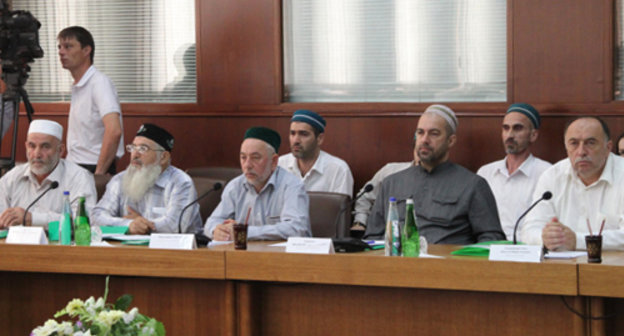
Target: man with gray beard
(150,194)
(513,179)
(24,183)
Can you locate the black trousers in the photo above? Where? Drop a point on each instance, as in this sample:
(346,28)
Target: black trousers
(111,170)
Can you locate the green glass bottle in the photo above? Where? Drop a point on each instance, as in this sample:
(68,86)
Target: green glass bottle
(82,227)
(411,238)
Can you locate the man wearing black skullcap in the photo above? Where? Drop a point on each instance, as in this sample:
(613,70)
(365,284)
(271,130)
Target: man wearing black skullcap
(513,179)
(319,170)
(150,194)
(273,202)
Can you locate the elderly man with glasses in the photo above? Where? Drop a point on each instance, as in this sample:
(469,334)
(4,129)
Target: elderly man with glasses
(150,194)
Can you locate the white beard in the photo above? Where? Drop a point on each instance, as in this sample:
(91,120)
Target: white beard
(136,181)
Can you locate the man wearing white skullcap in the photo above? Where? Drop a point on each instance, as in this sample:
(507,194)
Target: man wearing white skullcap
(453,205)
(20,186)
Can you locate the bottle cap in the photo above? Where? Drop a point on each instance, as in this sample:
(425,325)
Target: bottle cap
(392,199)
(65,192)
(409,201)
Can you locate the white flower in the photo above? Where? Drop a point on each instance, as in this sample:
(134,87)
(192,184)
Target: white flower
(73,306)
(46,329)
(65,328)
(129,316)
(108,318)
(80,333)
(100,303)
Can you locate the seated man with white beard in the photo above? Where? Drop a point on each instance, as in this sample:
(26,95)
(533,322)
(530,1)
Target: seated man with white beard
(150,194)
(24,183)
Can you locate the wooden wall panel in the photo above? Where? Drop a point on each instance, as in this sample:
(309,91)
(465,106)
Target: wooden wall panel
(560,55)
(561,51)
(239,53)
(366,143)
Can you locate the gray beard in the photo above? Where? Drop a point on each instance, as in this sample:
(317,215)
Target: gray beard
(137,181)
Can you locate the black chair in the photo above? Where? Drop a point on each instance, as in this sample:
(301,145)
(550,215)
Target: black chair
(210,202)
(325,207)
(219,173)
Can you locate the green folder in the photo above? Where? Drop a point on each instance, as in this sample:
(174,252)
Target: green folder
(136,242)
(3,233)
(480,249)
(114,229)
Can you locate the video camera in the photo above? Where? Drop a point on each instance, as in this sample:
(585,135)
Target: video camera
(19,45)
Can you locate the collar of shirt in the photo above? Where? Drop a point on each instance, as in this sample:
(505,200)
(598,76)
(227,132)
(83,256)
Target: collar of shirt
(437,169)
(55,175)
(85,78)
(525,168)
(607,175)
(318,166)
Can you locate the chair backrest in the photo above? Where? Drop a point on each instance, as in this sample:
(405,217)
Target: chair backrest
(100,184)
(219,173)
(210,202)
(324,209)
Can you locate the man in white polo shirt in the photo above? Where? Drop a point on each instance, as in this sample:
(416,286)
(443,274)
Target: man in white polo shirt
(318,170)
(94,129)
(24,183)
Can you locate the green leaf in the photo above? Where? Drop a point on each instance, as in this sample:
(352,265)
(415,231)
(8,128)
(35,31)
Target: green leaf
(123,302)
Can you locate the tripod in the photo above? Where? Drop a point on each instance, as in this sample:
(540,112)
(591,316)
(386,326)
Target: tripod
(10,109)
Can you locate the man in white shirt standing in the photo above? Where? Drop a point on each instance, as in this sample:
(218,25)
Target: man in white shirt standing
(94,131)
(24,183)
(586,190)
(318,170)
(513,178)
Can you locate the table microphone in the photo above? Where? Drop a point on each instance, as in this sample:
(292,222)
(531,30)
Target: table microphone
(53,185)
(546,196)
(367,188)
(215,187)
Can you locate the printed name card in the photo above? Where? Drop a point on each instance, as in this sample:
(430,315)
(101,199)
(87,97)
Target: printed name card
(519,253)
(31,235)
(172,241)
(309,245)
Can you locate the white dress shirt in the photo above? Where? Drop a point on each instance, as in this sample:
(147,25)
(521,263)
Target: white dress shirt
(364,204)
(513,193)
(93,97)
(573,204)
(329,173)
(19,187)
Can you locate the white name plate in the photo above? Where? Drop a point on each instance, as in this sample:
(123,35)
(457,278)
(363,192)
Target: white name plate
(309,245)
(519,253)
(31,235)
(172,241)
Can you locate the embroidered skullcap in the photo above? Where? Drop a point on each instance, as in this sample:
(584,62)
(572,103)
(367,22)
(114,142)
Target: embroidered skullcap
(528,110)
(265,134)
(446,113)
(157,134)
(311,118)
(48,127)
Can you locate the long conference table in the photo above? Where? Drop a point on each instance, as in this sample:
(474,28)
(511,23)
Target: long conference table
(265,291)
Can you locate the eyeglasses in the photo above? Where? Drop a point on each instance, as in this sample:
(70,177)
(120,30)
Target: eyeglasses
(141,149)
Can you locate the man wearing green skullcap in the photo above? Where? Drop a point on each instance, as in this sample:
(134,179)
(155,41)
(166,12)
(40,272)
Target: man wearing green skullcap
(276,201)
(513,179)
